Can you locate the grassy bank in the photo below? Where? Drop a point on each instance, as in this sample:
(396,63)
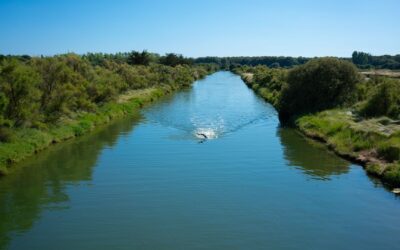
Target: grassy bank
(28,141)
(266,82)
(372,141)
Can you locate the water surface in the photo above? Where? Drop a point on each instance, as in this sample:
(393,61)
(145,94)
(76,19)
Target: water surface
(154,182)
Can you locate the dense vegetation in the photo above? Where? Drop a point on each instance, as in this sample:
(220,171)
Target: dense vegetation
(328,100)
(383,100)
(42,90)
(270,61)
(48,99)
(267,82)
(317,85)
(366,61)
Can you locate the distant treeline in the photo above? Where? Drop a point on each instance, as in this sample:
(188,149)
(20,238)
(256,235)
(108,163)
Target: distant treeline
(361,59)
(133,58)
(366,61)
(270,61)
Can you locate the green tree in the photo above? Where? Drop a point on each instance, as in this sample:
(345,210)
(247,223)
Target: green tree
(18,82)
(360,58)
(139,58)
(317,85)
(62,86)
(173,60)
(385,101)
(106,86)
(3,106)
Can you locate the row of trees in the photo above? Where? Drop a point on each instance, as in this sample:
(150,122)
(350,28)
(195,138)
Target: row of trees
(42,90)
(270,61)
(365,60)
(360,59)
(268,82)
(139,58)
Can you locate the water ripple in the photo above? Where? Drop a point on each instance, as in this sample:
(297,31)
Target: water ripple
(219,106)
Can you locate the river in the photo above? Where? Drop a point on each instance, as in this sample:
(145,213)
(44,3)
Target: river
(155,182)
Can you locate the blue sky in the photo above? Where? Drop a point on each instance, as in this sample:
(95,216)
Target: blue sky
(201,27)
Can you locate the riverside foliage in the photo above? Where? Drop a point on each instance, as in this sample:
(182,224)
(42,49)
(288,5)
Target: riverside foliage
(36,92)
(328,100)
(44,100)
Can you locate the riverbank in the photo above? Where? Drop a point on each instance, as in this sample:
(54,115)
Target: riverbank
(45,100)
(29,141)
(373,143)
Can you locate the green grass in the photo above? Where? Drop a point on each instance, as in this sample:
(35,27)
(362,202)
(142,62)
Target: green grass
(271,97)
(352,138)
(28,141)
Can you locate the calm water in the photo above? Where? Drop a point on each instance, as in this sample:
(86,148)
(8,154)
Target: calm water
(152,182)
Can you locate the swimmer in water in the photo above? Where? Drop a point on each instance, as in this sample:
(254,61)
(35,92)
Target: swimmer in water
(204,137)
(202,134)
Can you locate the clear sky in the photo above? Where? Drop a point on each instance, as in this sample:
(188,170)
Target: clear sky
(201,27)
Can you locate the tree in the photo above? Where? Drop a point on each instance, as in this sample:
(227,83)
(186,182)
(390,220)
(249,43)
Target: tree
(275,65)
(60,86)
(173,60)
(106,86)
(385,101)
(18,83)
(139,58)
(3,107)
(317,85)
(360,58)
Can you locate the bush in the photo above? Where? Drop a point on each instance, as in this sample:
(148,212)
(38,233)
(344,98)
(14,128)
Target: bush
(18,83)
(389,152)
(385,101)
(319,84)
(6,134)
(392,174)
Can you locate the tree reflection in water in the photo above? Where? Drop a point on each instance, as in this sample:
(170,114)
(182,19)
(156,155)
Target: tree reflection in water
(29,190)
(311,157)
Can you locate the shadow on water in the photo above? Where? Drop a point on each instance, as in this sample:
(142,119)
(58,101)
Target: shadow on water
(41,182)
(311,157)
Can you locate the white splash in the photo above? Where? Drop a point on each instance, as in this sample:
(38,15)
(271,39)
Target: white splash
(205,133)
(207,127)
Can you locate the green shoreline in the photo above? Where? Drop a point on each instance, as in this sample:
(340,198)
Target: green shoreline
(346,138)
(31,141)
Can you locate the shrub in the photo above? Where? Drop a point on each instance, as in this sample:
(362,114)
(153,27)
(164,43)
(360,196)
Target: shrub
(389,152)
(317,85)
(18,83)
(6,134)
(385,101)
(392,174)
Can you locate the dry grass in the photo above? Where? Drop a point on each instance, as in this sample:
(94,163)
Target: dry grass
(382,72)
(130,94)
(248,77)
